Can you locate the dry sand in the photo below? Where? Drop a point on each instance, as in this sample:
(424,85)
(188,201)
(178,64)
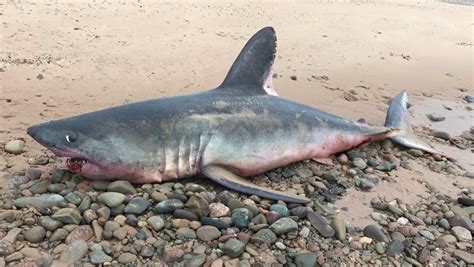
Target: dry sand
(60,58)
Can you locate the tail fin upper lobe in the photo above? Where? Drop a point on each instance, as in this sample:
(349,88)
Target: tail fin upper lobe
(397,118)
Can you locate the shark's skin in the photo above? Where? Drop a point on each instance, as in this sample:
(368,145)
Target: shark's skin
(237,130)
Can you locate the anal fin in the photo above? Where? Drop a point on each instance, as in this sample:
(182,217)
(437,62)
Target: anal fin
(229,179)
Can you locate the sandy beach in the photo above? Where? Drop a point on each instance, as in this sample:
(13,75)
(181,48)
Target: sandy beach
(61,58)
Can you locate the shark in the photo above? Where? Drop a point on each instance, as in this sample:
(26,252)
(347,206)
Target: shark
(237,130)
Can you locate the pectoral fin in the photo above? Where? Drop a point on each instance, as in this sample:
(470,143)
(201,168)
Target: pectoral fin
(228,179)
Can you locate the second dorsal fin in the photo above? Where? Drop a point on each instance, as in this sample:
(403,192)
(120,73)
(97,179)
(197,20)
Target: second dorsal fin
(251,72)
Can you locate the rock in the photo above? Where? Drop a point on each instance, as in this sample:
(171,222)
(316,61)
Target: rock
(462,221)
(441,135)
(68,216)
(99,257)
(280,209)
(466,201)
(147,252)
(73,198)
(321,225)
(464,256)
(15,256)
(83,232)
(445,240)
(32,253)
(306,259)
(58,235)
(424,255)
(12,235)
(233,247)
(185,233)
(427,234)
(300,212)
(225,196)
(196,261)
(198,205)
(359,163)
(179,223)
(121,186)
(394,248)
(415,152)
(35,234)
(49,223)
(6,248)
(173,253)
(435,117)
(272,217)
(264,236)
(73,252)
(235,204)
(136,205)
(33,173)
(168,205)
(216,222)
(283,226)
(111,199)
(375,232)
(185,214)
(218,210)
(120,233)
(461,233)
(241,217)
(469,98)
(339,228)
(43,201)
(156,222)
(15,147)
(207,233)
(126,258)
(304,172)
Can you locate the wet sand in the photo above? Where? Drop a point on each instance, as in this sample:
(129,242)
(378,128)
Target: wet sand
(59,59)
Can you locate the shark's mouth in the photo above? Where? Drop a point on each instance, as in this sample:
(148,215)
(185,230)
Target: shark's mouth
(76,164)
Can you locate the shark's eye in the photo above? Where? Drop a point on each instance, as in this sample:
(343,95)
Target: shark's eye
(71,137)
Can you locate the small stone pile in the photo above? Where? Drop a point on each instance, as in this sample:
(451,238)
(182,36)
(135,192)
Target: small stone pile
(59,218)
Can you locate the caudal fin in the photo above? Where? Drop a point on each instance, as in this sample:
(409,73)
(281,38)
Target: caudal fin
(397,118)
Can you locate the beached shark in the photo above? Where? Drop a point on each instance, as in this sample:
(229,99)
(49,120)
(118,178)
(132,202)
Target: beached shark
(239,129)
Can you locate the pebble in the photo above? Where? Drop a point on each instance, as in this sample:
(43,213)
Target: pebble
(185,233)
(339,228)
(12,235)
(306,259)
(73,252)
(136,205)
(446,240)
(15,147)
(283,226)
(156,222)
(83,232)
(198,205)
(185,214)
(233,247)
(463,222)
(33,173)
(435,117)
(169,205)
(394,248)
(264,236)
(121,186)
(280,209)
(466,201)
(99,257)
(469,98)
(68,216)
(207,233)
(359,163)
(126,258)
(241,217)
(461,233)
(43,201)
(111,199)
(35,234)
(464,256)
(375,232)
(415,152)
(49,223)
(320,223)
(218,210)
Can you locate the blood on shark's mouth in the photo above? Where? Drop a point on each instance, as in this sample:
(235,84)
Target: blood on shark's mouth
(76,164)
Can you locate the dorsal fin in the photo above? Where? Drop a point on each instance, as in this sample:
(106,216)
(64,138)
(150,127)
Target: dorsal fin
(252,70)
